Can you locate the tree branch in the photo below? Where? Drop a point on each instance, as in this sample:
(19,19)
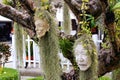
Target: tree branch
(28,5)
(21,18)
(107,61)
(94,7)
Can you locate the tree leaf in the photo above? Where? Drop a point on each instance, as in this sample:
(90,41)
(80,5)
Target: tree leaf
(117,6)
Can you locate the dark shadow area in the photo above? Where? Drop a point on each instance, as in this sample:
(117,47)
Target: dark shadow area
(5,31)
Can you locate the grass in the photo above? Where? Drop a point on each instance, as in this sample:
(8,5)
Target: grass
(104,78)
(41,78)
(37,78)
(9,74)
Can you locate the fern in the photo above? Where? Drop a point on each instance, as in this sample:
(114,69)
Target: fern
(66,46)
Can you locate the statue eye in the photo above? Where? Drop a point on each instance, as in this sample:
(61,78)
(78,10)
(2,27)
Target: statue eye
(79,1)
(93,3)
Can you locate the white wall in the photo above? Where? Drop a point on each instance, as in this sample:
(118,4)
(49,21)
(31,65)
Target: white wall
(0,1)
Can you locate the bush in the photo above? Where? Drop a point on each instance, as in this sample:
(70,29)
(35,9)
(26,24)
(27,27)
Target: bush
(104,78)
(37,78)
(9,74)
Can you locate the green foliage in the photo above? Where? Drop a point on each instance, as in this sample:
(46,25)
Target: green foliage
(104,78)
(116,74)
(118,25)
(87,21)
(66,46)
(9,74)
(91,20)
(37,78)
(7,2)
(105,45)
(4,48)
(4,53)
(45,4)
(116,6)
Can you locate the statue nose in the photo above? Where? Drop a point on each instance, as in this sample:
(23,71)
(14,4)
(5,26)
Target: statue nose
(81,59)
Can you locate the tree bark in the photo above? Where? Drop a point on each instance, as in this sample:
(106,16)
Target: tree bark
(19,44)
(22,18)
(108,59)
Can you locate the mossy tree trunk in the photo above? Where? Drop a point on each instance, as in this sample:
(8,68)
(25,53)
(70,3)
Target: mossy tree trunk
(48,43)
(19,44)
(66,19)
(49,48)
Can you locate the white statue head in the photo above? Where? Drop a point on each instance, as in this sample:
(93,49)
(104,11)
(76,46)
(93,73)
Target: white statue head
(82,58)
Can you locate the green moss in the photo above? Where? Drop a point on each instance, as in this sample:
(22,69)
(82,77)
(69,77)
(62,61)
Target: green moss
(49,52)
(18,32)
(66,21)
(7,2)
(104,78)
(9,74)
(37,78)
(116,74)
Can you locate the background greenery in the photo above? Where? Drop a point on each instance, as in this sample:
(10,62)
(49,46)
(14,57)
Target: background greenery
(9,74)
(37,78)
(104,78)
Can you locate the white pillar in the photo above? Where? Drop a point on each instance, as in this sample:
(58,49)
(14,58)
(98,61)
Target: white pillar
(95,39)
(24,51)
(14,56)
(29,56)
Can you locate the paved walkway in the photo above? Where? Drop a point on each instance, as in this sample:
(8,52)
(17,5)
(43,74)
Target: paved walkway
(26,77)
(26,72)
(30,72)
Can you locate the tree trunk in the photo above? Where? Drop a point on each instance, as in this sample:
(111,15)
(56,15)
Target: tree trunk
(66,19)
(19,44)
(49,52)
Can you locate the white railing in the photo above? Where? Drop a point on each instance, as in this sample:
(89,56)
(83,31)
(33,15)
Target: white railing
(36,57)
(34,60)
(65,63)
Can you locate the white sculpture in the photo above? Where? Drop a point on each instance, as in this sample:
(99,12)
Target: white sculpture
(86,57)
(82,58)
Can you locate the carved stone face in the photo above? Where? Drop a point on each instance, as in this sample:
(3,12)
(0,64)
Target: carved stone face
(82,58)
(41,28)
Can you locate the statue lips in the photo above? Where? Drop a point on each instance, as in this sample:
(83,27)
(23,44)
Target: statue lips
(83,64)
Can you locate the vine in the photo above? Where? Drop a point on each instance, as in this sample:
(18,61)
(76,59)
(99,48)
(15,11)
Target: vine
(88,20)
